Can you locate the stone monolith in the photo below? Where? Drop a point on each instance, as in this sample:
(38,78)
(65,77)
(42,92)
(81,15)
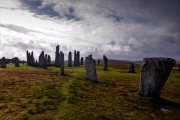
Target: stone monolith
(105,62)
(90,67)
(131,68)
(70,59)
(154,73)
(61,63)
(3,62)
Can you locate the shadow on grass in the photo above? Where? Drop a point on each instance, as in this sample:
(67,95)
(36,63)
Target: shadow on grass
(164,102)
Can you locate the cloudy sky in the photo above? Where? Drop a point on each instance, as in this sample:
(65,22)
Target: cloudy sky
(120,29)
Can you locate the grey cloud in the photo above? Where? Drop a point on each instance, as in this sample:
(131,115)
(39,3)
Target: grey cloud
(18,29)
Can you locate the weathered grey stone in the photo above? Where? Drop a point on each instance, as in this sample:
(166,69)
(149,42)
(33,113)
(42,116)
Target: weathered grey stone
(131,68)
(16,61)
(49,59)
(154,73)
(90,67)
(41,59)
(45,61)
(82,60)
(3,62)
(57,64)
(98,62)
(62,63)
(27,55)
(75,58)
(32,59)
(70,59)
(105,62)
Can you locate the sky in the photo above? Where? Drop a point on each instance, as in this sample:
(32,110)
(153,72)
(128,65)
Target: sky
(119,29)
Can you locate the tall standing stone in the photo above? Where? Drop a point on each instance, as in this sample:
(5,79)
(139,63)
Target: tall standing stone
(57,64)
(32,59)
(49,59)
(70,59)
(105,62)
(16,61)
(45,61)
(154,73)
(90,67)
(41,59)
(62,63)
(131,68)
(82,60)
(75,58)
(98,62)
(27,55)
(3,62)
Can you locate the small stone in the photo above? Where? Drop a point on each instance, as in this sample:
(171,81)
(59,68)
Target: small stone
(131,68)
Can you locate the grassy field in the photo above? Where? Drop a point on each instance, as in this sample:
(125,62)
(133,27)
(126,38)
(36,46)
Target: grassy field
(35,93)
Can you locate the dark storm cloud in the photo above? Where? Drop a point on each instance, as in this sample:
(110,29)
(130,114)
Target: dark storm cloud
(36,6)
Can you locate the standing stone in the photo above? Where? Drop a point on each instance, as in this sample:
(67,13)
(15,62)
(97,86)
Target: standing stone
(32,59)
(98,62)
(105,62)
(49,59)
(3,62)
(36,64)
(57,64)
(70,59)
(131,68)
(75,58)
(16,61)
(27,55)
(90,67)
(45,61)
(41,59)
(154,73)
(62,63)
(82,60)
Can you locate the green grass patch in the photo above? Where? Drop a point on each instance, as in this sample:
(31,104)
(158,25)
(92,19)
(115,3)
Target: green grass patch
(35,93)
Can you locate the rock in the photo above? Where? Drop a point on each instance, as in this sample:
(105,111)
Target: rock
(57,64)
(27,55)
(131,68)
(70,59)
(16,61)
(98,62)
(49,59)
(75,58)
(3,62)
(45,61)
(105,62)
(90,67)
(41,59)
(154,73)
(32,59)
(82,60)
(62,63)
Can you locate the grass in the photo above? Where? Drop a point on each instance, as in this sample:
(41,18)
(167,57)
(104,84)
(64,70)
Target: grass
(35,93)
